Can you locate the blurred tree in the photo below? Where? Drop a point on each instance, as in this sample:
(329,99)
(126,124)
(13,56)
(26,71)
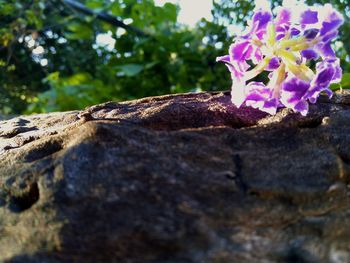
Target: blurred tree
(52,57)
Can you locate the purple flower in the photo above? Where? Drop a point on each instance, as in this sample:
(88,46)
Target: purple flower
(284,46)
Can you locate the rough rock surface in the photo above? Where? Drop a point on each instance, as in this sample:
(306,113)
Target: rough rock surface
(180,178)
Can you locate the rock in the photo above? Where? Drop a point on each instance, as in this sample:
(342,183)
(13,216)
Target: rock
(178,178)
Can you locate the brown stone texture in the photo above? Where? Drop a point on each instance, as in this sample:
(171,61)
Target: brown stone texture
(177,179)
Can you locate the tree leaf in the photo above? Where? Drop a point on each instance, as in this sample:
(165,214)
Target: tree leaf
(130,70)
(345,81)
(79,30)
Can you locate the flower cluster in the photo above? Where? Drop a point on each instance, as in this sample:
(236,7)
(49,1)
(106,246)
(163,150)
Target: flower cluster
(284,46)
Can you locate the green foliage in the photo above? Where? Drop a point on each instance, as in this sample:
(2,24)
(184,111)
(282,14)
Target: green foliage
(76,91)
(50,60)
(345,81)
(80,73)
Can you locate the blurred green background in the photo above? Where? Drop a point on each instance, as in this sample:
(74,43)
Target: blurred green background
(51,58)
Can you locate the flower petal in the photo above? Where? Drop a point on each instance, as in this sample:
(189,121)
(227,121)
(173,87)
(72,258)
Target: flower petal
(238,93)
(309,54)
(302,107)
(274,63)
(283,17)
(292,94)
(282,22)
(337,74)
(327,72)
(237,69)
(258,56)
(324,76)
(225,58)
(325,49)
(241,51)
(308,17)
(294,31)
(329,36)
(260,20)
(270,106)
(260,97)
(332,20)
(311,33)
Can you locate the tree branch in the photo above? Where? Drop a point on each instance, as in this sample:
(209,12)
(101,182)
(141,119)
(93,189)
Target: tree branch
(104,17)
